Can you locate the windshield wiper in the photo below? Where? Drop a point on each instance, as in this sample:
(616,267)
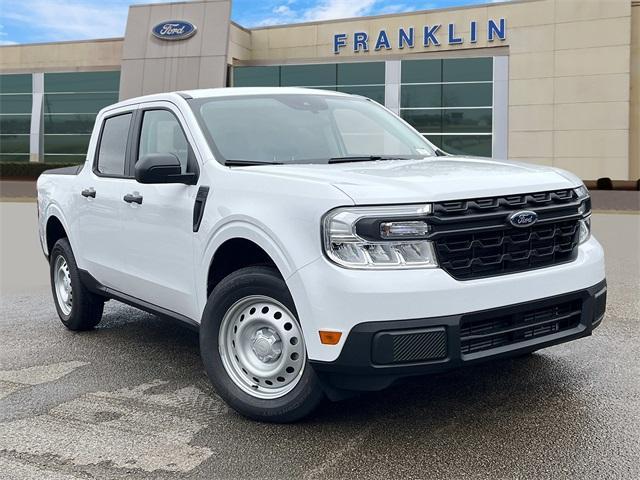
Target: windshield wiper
(248,163)
(366,158)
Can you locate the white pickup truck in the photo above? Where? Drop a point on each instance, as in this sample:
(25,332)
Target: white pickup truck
(318,243)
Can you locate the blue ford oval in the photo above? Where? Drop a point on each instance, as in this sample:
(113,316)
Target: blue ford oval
(174,30)
(523,218)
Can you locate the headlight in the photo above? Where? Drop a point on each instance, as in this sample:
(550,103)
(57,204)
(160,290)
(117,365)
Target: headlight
(585,229)
(386,237)
(585,210)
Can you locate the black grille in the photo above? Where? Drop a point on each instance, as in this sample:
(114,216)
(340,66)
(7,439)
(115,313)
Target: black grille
(474,239)
(479,333)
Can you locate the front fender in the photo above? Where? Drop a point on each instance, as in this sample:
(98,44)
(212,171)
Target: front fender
(258,233)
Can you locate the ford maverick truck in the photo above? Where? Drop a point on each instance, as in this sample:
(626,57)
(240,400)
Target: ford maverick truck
(318,243)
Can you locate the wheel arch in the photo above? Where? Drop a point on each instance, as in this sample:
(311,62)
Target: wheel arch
(54,231)
(234,254)
(241,231)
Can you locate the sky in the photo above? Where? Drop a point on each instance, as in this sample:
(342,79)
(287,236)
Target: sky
(32,21)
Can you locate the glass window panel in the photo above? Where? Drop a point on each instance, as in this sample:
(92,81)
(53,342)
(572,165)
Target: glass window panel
(421,96)
(78,103)
(14,143)
(477,145)
(308,75)
(435,139)
(467,69)
(161,133)
(421,71)
(16,83)
(82,82)
(374,93)
(15,103)
(471,121)
(362,134)
(52,158)
(66,144)
(467,95)
(71,123)
(360,73)
(15,124)
(256,77)
(113,144)
(13,157)
(424,120)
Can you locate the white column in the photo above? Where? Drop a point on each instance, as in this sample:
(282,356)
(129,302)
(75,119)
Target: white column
(500,128)
(392,85)
(35,138)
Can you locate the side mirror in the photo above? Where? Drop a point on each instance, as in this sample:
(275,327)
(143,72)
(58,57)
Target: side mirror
(162,168)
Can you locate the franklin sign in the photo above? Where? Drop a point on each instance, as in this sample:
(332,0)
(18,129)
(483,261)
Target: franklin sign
(173,30)
(427,36)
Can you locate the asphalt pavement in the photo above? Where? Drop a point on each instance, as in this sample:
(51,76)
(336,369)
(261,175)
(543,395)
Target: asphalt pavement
(130,399)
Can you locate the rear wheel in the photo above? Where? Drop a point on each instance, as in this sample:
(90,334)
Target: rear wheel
(253,348)
(77,307)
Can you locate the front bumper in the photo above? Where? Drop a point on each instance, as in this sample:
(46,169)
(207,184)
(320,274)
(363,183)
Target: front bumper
(328,297)
(375,354)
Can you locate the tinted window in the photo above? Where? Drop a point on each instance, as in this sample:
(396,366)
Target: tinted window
(307,75)
(15,83)
(161,133)
(78,103)
(360,78)
(467,69)
(365,73)
(256,76)
(113,145)
(82,82)
(422,71)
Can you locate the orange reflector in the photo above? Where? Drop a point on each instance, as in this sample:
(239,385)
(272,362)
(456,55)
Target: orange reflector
(330,338)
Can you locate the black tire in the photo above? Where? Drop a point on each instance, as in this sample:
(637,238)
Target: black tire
(294,405)
(86,307)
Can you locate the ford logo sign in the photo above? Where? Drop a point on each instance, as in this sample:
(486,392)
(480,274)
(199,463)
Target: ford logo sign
(524,218)
(173,30)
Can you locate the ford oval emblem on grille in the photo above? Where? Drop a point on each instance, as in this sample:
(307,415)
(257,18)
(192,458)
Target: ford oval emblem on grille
(524,218)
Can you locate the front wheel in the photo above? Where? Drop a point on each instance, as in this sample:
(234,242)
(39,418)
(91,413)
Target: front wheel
(253,348)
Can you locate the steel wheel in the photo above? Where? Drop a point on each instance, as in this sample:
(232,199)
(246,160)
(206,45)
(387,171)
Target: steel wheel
(262,347)
(62,284)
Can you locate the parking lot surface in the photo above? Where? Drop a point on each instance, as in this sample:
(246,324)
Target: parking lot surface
(131,400)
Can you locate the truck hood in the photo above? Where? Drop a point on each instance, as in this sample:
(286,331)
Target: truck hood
(429,179)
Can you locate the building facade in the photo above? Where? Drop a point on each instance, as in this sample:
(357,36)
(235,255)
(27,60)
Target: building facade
(552,82)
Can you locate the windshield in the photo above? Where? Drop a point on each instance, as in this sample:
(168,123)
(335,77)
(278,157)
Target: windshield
(304,128)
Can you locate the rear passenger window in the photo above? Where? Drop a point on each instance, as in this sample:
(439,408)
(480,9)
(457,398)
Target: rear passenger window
(113,145)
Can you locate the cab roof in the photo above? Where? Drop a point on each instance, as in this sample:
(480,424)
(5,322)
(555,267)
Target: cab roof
(220,92)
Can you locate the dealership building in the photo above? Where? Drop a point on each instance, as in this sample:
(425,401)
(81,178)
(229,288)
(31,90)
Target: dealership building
(553,82)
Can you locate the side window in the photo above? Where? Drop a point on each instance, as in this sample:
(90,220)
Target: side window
(113,145)
(161,133)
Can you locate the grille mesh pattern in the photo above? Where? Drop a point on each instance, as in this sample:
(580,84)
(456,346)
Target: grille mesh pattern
(481,334)
(474,239)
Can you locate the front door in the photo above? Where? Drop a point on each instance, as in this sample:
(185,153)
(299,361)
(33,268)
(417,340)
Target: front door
(158,262)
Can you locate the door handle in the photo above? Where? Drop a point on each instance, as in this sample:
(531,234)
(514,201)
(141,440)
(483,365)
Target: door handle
(131,198)
(89,192)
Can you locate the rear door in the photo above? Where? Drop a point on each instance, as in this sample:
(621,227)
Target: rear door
(100,212)
(158,259)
